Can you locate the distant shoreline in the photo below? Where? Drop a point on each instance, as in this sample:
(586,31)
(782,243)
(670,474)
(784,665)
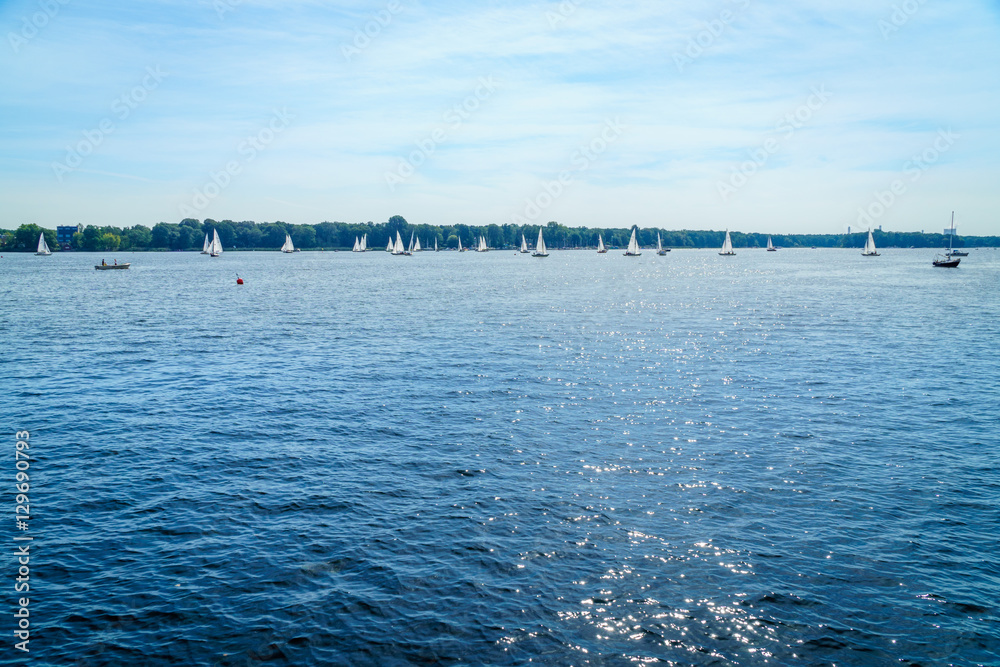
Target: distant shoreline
(505,249)
(190,235)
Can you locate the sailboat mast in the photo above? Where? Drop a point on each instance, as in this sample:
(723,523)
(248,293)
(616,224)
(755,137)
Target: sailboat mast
(951,237)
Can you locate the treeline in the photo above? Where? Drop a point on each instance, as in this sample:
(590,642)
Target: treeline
(189,234)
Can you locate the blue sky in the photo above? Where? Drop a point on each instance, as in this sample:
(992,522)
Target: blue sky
(739,114)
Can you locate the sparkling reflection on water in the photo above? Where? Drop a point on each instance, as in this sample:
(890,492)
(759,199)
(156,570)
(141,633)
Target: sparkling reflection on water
(489,458)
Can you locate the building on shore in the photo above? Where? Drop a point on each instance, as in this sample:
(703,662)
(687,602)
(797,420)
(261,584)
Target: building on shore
(64,234)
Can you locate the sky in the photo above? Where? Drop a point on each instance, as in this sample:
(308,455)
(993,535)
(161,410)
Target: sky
(746,115)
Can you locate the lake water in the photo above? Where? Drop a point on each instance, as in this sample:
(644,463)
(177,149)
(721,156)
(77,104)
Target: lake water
(359,459)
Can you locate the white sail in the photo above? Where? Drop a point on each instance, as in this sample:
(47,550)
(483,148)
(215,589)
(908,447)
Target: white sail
(633,246)
(770,246)
(870,246)
(205,246)
(482,244)
(398,248)
(215,249)
(540,245)
(357,245)
(43,247)
(388,246)
(727,246)
(600,244)
(435,244)
(416,246)
(524,243)
(288,247)
(460,244)
(660,250)
(364,243)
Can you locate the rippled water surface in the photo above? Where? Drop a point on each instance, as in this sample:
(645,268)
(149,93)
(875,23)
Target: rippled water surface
(774,458)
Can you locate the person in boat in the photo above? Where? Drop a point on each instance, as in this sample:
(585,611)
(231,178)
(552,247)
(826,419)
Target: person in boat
(116,262)
(103,263)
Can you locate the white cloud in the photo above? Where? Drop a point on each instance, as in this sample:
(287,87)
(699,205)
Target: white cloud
(557,83)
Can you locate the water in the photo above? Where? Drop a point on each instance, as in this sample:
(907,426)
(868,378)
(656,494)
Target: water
(474,458)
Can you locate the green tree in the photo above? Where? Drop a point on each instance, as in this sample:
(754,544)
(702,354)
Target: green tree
(326,234)
(26,237)
(108,242)
(274,235)
(138,237)
(90,236)
(227,233)
(186,238)
(164,235)
(303,236)
(249,235)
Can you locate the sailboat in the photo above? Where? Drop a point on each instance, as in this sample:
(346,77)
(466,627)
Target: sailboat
(460,248)
(540,246)
(416,246)
(435,244)
(409,248)
(388,246)
(727,246)
(43,247)
(357,245)
(482,245)
(869,250)
(524,242)
(633,246)
(215,249)
(288,247)
(600,245)
(364,243)
(398,248)
(770,247)
(660,250)
(205,245)
(949,260)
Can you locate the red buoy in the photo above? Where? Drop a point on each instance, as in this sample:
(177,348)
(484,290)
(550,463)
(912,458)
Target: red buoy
(239,281)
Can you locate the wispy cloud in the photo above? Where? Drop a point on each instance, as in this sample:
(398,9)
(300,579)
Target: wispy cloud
(560,79)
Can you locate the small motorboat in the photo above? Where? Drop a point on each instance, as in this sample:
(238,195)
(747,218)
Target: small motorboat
(958,253)
(105,267)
